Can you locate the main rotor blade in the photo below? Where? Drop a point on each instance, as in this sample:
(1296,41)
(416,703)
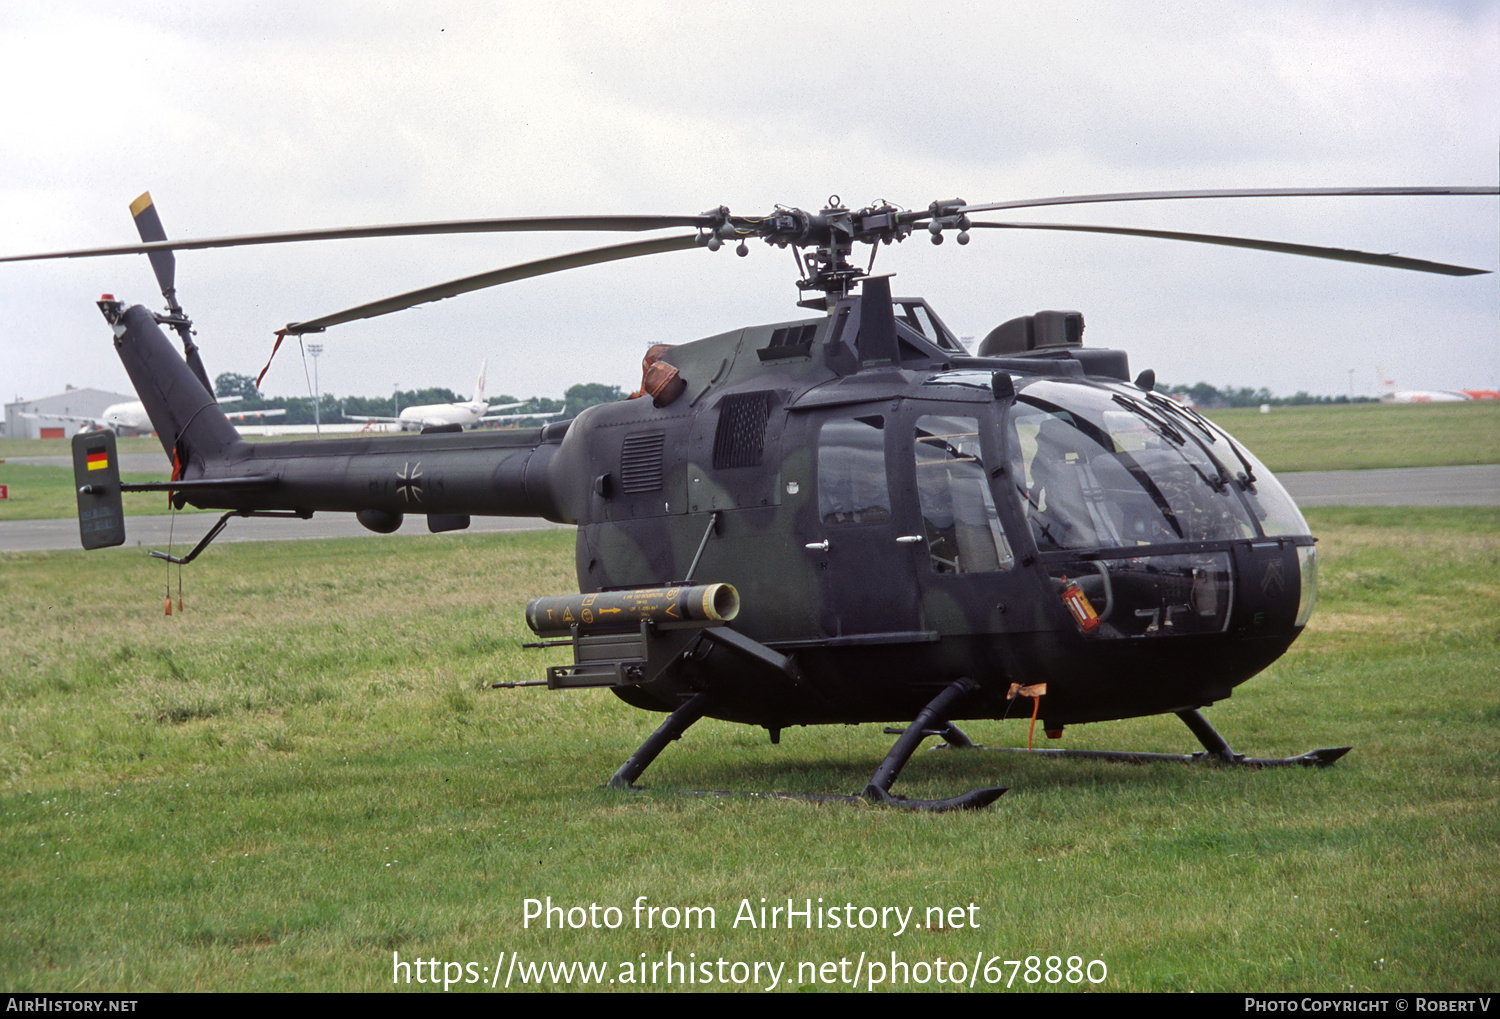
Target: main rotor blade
(457,226)
(1148,196)
(1338,254)
(490,279)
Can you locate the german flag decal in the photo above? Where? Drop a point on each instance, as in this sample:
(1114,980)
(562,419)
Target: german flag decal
(98,460)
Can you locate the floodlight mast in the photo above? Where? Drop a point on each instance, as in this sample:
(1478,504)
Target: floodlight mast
(316,350)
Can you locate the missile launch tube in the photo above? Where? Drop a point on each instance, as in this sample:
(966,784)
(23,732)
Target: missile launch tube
(608,610)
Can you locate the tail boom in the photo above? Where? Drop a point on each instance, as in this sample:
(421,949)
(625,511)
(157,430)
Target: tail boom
(442,475)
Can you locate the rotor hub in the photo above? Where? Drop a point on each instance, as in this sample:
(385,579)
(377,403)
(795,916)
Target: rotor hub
(832,232)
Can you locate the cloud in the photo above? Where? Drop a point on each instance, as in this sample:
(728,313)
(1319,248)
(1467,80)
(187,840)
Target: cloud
(249,117)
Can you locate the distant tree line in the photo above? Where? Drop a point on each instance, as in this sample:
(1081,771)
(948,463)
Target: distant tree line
(1205,395)
(299,409)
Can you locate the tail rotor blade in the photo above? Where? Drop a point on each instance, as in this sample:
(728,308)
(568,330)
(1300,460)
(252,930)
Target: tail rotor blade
(163,262)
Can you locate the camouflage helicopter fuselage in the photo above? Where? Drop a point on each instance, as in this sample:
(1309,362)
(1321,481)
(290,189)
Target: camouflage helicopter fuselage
(831,520)
(894,514)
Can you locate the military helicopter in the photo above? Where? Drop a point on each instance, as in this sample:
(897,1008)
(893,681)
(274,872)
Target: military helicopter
(841,518)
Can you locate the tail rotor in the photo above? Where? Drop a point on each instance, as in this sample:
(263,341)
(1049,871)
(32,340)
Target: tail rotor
(164,264)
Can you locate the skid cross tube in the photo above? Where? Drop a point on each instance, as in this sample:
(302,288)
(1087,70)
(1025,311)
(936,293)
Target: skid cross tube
(676,724)
(951,734)
(1214,743)
(932,720)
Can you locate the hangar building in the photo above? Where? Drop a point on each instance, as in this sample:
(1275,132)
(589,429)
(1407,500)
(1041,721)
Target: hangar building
(85,403)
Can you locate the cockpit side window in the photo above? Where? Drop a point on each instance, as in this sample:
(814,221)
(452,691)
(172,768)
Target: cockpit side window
(852,485)
(962,529)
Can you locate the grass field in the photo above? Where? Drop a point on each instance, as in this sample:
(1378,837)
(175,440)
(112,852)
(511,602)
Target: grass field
(40,492)
(304,773)
(1363,436)
(47,493)
(64,447)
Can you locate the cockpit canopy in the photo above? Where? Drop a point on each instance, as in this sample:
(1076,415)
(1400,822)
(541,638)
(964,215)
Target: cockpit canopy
(1106,466)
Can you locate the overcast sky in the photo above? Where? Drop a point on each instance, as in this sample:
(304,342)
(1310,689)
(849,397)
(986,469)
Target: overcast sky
(277,115)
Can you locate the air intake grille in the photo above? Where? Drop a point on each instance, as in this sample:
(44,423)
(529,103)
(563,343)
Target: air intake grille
(740,439)
(640,462)
(789,342)
(791,336)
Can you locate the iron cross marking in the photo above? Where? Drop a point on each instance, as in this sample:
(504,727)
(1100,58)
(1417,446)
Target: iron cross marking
(410,476)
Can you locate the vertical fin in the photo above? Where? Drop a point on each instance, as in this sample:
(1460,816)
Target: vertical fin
(181,408)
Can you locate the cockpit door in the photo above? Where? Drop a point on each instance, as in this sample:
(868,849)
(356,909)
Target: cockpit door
(866,538)
(966,568)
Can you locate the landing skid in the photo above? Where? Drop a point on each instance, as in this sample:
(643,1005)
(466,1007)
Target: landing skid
(1215,749)
(972,800)
(932,721)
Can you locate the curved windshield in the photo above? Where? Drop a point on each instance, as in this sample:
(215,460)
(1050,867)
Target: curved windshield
(1095,468)
(1272,505)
